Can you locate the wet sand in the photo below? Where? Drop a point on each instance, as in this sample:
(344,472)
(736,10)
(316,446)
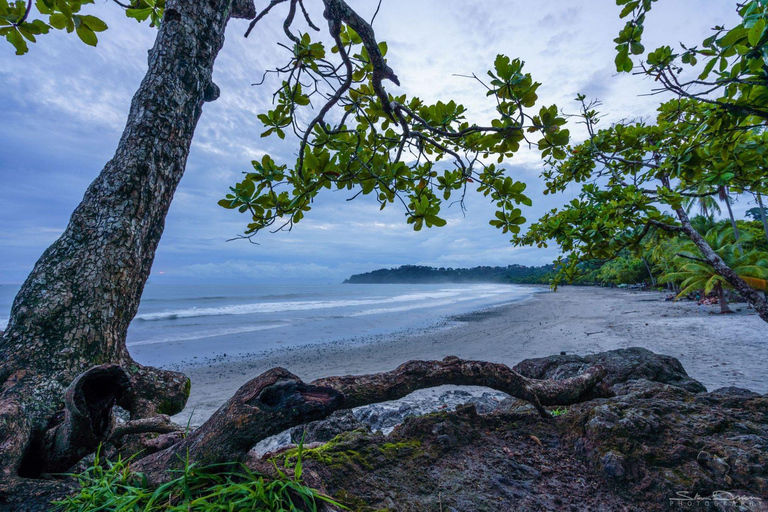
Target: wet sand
(718,350)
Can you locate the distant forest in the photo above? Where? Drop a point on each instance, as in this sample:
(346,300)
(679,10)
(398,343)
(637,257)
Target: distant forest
(414,274)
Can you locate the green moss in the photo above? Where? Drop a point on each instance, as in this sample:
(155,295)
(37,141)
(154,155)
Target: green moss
(408,448)
(348,449)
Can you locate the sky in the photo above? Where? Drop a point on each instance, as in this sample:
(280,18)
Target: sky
(64,107)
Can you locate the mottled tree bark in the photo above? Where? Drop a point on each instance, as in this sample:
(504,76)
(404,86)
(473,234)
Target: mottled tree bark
(74,309)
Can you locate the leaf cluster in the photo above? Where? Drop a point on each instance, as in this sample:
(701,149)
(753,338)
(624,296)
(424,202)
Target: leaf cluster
(21,21)
(354,136)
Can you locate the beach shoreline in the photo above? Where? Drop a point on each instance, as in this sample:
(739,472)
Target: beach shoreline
(718,350)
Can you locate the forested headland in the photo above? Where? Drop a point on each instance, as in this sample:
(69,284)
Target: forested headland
(417,274)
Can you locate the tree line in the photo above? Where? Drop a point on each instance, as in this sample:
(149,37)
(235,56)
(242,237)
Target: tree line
(416,274)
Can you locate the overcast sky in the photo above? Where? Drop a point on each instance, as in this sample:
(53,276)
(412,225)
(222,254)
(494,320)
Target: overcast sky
(64,106)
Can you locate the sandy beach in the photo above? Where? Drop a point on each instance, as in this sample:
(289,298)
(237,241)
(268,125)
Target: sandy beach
(718,350)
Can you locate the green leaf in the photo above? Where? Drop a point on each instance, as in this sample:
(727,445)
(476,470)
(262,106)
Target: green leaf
(87,35)
(58,20)
(139,14)
(15,38)
(93,23)
(756,32)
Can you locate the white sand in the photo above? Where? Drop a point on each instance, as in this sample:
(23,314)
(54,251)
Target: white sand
(718,350)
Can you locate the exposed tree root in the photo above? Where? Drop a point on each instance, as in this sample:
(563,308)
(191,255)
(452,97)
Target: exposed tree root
(87,420)
(267,405)
(277,400)
(378,387)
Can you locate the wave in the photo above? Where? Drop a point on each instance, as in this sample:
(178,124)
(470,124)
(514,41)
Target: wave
(272,307)
(378,311)
(209,334)
(186,299)
(211,298)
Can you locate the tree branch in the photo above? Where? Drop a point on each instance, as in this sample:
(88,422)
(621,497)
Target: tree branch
(278,400)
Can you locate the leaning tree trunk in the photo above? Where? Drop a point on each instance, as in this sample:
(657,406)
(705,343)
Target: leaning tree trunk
(718,265)
(721,299)
(74,309)
(648,268)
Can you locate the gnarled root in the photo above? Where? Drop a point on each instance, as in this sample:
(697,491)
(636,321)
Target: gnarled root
(85,421)
(265,406)
(277,400)
(361,390)
(155,391)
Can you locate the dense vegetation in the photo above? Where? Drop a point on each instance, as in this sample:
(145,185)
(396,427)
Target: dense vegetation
(676,262)
(636,177)
(639,179)
(516,274)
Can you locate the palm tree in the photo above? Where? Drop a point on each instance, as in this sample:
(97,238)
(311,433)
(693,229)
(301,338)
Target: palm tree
(694,273)
(725,196)
(702,223)
(706,204)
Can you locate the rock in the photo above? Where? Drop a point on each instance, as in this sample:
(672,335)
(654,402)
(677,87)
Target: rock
(668,440)
(613,465)
(324,430)
(713,463)
(623,365)
(658,434)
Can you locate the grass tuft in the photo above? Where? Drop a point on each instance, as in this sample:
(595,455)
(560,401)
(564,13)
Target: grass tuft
(560,411)
(113,486)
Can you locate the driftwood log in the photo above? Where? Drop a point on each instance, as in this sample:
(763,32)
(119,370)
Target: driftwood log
(278,400)
(267,405)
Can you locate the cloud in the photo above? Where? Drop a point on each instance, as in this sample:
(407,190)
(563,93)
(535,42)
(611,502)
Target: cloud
(64,107)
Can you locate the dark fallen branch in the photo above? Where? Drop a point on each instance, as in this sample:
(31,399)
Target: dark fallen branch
(272,402)
(361,390)
(278,400)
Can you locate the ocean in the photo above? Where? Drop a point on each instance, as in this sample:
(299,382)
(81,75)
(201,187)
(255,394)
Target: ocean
(186,324)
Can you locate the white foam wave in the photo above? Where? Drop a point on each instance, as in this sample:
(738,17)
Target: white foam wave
(272,307)
(378,311)
(205,334)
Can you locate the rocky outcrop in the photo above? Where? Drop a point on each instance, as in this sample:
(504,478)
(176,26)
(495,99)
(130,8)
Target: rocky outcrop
(622,365)
(655,441)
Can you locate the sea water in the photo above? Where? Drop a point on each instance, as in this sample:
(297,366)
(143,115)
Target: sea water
(183,324)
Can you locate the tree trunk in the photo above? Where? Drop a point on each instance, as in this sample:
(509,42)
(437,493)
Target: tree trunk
(762,213)
(721,298)
(718,265)
(74,309)
(648,268)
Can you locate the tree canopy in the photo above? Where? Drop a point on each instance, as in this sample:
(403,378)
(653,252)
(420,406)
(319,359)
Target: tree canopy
(636,177)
